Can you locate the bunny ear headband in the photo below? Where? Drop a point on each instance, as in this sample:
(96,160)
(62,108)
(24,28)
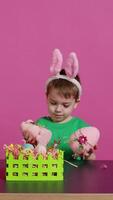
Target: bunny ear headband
(71,68)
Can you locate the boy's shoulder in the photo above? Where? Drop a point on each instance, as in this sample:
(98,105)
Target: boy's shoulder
(80,122)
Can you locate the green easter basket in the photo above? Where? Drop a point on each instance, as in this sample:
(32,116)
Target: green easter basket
(34,169)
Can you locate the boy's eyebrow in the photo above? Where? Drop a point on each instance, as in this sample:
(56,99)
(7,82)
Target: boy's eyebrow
(51,99)
(67,102)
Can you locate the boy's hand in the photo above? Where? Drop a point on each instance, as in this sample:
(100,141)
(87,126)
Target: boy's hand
(35,134)
(91,157)
(29,138)
(84,142)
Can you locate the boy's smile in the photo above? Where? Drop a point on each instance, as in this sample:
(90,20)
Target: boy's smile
(59,107)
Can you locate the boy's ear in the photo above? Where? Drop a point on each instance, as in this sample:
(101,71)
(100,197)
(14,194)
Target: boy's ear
(76,104)
(46,95)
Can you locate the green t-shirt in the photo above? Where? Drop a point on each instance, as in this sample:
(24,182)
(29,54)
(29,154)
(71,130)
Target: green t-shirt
(62,132)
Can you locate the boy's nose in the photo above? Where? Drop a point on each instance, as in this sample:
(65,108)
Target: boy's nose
(58,108)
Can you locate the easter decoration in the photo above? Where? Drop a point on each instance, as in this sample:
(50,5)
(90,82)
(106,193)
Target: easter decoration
(34,162)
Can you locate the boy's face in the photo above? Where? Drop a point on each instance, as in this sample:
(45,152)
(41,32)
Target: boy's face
(59,107)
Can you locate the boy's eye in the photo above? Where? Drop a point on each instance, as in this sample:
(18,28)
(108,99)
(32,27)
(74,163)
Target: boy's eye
(66,106)
(53,103)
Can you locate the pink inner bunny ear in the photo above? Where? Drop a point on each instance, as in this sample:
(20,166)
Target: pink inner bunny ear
(72,65)
(57,60)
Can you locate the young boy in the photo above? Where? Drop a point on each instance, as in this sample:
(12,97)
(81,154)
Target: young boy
(63,92)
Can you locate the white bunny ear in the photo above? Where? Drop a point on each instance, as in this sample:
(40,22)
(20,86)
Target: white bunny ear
(57,60)
(72,65)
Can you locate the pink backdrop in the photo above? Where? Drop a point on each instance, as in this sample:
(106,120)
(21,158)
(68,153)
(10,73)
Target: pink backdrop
(29,31)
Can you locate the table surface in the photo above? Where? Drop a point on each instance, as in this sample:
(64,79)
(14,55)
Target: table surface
(89,177)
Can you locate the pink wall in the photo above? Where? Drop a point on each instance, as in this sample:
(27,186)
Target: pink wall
(29,31)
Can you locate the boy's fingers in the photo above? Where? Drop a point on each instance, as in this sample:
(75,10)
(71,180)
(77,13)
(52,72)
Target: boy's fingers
(31,140)
(26,135)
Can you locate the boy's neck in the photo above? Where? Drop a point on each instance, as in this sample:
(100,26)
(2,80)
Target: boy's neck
(66,120)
